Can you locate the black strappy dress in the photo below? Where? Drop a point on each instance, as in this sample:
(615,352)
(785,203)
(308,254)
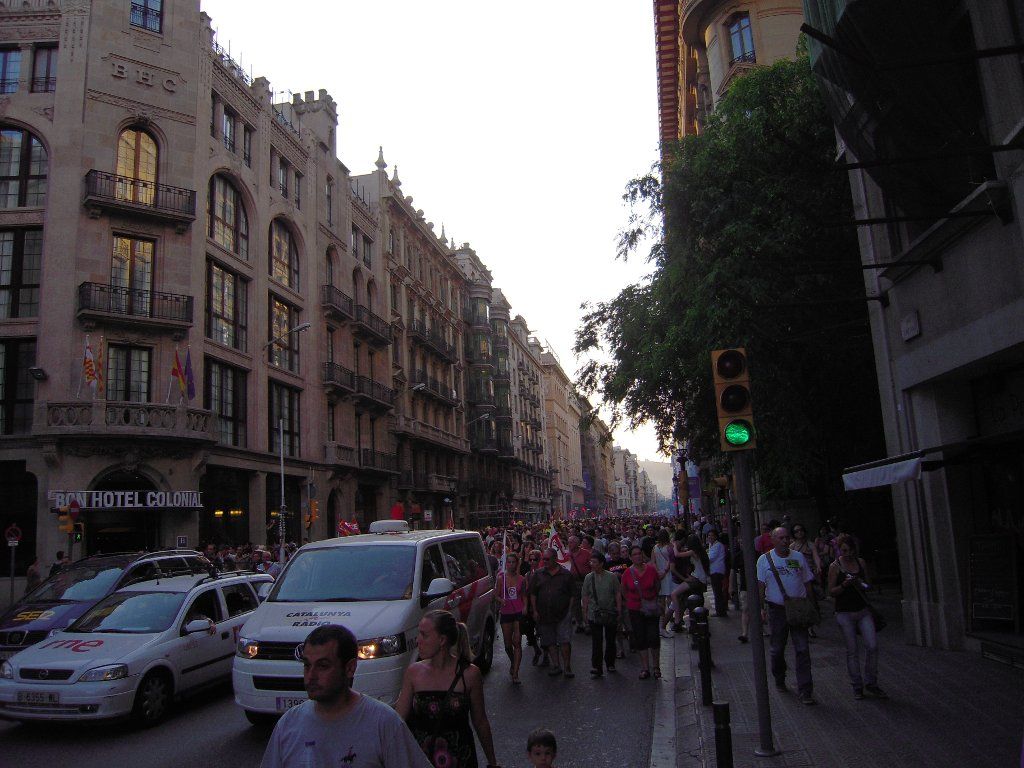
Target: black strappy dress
(440,723)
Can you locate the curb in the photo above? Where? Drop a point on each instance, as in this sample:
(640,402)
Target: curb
(663,735)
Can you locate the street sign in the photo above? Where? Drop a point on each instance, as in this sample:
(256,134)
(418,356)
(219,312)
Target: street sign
(13,532)
(12,542)
(428,515)
(74,510)
(182,542)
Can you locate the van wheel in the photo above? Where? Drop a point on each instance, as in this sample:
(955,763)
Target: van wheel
(261,719)
(486,657)
(152,699)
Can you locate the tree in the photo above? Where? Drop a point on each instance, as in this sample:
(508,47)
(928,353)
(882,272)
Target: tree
(753,253)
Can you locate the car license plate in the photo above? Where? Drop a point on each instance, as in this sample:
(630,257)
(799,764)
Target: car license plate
(285,703)
(38,697)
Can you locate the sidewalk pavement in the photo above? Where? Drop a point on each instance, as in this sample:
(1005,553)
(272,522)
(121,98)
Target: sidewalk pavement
(946,709)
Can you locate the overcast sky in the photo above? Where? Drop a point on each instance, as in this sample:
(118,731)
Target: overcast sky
(515,125)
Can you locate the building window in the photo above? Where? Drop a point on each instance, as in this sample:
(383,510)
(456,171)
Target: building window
(391,241)
(22,169)
(298,190)
(330,422)
(225,306)
(330,267)
(228,129)
(741,38)
(21,251)
(368,252)
(147,14)
(10,69)
(284,351)
(284,255)
(17,387)
(284,415)
(282,175)
(354,242)
(131,276)
(137,158)
(225,396)
(228,223)
(44,69)
(247,145)
(128,373)
(329,192)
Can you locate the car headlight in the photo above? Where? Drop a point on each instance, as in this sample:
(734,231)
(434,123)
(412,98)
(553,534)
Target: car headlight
(379,647)
(247,648)
(6,671)
(103,674)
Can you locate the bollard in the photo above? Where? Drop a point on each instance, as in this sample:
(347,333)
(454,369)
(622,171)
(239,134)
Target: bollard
(704,654)
(723,735)
(693,602)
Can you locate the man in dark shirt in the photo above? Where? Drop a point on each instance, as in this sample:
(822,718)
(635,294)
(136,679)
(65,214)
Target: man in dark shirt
(551,593)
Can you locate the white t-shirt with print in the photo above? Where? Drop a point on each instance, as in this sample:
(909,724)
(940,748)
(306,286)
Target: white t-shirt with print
(793,571)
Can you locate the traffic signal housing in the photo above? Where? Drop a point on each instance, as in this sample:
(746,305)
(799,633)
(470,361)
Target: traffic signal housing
(79,529)
(64,524)
(731,371)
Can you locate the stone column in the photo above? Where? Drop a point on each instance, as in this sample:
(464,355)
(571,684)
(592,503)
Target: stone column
(218,119)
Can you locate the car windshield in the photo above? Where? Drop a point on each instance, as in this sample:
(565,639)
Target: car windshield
(131,613)
(347,574)
(81,582)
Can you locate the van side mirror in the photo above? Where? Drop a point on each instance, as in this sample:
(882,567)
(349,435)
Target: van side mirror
(439,587)
(263,591)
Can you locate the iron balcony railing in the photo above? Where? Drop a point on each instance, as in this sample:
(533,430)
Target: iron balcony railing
(128,192)
(9,85)
(371,459)
(374,324)
(500,342)
(435,387)
(339,376)
(44,84)
(442,346)
(145,17)
(368,388)
(337,301)
(745,58)
(418,330)
(115,300)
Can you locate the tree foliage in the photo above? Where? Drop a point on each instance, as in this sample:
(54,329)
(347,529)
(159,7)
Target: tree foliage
(752,254)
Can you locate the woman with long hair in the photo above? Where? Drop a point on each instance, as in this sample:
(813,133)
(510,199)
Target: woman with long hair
(510,595)
(442,698)
(662,561)
(696,583)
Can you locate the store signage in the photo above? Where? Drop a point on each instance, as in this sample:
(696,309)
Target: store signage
(127,499)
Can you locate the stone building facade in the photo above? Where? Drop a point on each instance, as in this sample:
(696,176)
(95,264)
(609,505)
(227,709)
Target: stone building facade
(531,473)
(562,419)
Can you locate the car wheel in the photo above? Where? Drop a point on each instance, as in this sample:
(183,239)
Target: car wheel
(486,657)
(152,699)
(261,719)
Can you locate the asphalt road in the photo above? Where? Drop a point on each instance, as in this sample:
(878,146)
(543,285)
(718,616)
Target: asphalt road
(605,722)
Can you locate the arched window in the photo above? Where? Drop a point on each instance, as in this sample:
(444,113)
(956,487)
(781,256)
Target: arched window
(330,266)
(284,255)
(22,169)
(136,165)
(228,222)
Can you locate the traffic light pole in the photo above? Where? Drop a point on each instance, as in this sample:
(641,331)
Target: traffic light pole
(744,502)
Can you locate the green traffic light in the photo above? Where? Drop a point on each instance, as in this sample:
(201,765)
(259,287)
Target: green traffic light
(738,432)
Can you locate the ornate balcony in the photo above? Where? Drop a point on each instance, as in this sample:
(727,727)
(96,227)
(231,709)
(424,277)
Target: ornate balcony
(432,434)
(369,395)
(136,197)
(418,331)
(339,379)
(500,343)
(338,454)
(378,461)
(445,350)
(337,303)
(442,483)
(114,305)
(373,329)
(437,389)
(110,418)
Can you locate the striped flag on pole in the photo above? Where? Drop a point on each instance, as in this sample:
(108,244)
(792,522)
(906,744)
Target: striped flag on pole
(89,373)
(178,373)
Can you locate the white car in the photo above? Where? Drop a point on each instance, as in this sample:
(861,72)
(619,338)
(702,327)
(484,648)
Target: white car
(133,652)
(378,585)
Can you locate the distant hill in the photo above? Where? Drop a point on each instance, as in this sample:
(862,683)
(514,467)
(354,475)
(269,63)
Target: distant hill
(660,473)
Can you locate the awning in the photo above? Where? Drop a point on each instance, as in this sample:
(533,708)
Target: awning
(886,474)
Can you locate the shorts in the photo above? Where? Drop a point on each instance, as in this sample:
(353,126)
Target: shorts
(645,631)
(559,633)
(511,618)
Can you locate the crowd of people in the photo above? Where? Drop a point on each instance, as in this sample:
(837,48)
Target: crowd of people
(625,583)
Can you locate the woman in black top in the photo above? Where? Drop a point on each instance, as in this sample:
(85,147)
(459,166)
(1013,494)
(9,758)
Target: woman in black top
(847,581)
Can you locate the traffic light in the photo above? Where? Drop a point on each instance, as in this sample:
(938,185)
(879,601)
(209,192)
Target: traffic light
(732,399)
(314,513)
(64,524)
(79,532)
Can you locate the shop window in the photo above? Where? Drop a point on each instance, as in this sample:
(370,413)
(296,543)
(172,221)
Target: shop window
(17,387)
(284,415)
(147,14)
(21,252)
(22,169)
(226,397)
(128,371)
(226,302)
(228,223)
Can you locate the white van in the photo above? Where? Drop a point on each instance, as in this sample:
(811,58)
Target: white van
(378,585)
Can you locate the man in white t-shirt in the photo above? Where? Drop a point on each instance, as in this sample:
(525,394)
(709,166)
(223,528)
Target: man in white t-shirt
(338,726)
(797,578)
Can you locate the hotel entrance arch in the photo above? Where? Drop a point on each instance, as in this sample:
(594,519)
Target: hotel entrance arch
(114,529)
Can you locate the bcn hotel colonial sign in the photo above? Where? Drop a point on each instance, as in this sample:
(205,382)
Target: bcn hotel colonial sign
(128,499)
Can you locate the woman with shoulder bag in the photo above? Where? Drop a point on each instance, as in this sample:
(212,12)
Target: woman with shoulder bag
(602,603)
(810,552)
(846,583)
(640,590)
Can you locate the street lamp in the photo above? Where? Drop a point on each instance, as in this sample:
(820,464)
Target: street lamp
(281,526)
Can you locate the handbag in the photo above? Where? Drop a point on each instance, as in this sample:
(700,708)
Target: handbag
(876,615)
(801,612)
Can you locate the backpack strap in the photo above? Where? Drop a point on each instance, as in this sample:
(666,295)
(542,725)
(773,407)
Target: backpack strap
(771,564)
